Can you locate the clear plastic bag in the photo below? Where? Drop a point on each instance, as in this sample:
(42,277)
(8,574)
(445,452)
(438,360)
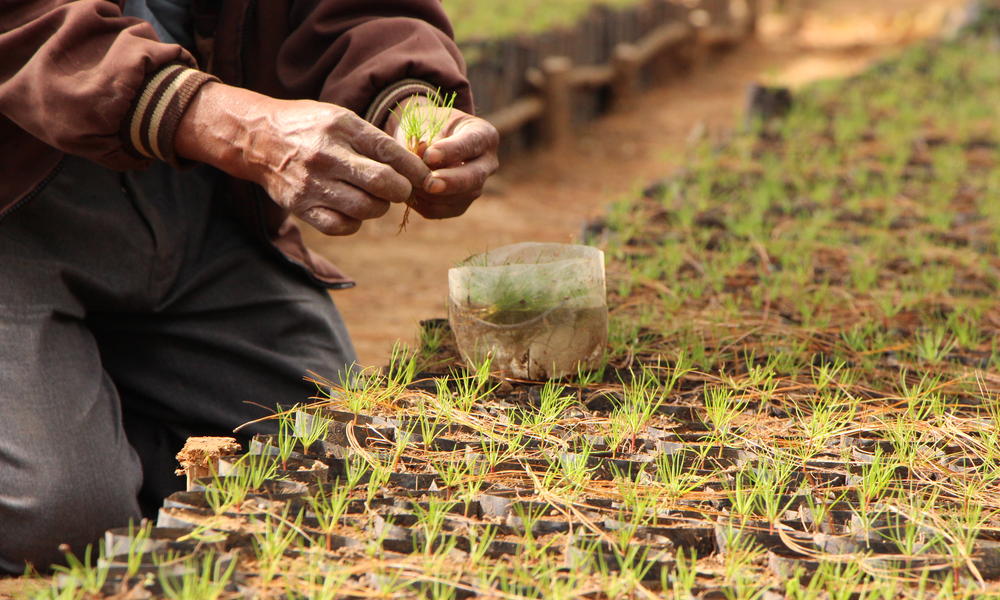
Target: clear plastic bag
(540,310)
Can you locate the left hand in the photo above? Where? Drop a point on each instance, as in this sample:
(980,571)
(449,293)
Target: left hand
(462,157)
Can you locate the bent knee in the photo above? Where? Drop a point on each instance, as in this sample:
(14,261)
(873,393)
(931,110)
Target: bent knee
(63,505)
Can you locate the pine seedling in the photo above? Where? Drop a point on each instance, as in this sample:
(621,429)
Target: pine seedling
(642,397)
(432,520)
(471,387)
(320,581)
(684,577)
(139,536)
(374,546)
(355,468)
(493,452)
(553,401)
(421,123)
(272,542)
(286,440)
(633,567)
(480,541)
(452,473)
(81,575)
(935,344)
(675,476)
(379,476)
(529,516)
(310,429)
(771,478)
(431,340)
(225,492)
(823,421)
(802,587)
(743,497)
(254,469)
(362,392)
(587,377)
(204,580)
(827,373)
(470,487)
(575,473)
(328,506)
(722,408)
(402,368)
(876,478)
(741,551)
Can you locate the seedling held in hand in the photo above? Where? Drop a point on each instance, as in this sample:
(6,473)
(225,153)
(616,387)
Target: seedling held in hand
(421,123)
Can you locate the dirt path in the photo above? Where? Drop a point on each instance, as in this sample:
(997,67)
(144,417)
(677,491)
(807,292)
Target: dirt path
(543,197)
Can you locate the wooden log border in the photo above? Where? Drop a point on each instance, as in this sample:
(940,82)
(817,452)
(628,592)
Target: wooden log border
(537,88)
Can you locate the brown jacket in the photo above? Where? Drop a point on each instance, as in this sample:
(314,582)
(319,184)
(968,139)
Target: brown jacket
(77,77)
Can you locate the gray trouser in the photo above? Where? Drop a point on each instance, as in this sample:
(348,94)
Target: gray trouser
(135,312)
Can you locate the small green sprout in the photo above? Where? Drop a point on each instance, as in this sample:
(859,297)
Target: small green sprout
(204,579)
(422,120)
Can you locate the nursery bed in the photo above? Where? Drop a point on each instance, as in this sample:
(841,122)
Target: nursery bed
(800,397)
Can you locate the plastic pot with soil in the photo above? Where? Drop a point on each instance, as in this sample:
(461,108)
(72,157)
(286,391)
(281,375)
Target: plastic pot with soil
(537,311)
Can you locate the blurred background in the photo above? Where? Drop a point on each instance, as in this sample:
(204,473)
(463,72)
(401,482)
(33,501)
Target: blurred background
(595,100)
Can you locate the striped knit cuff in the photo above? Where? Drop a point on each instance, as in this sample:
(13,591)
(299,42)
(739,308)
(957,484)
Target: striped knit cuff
(386,101)
(158,109)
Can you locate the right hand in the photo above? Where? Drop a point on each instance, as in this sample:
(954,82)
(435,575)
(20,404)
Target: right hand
(320,161)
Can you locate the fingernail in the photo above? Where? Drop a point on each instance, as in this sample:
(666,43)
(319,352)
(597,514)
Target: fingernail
(435,185)
(433,156)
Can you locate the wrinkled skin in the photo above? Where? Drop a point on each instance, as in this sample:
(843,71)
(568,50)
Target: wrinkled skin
(328,166)
(463,157)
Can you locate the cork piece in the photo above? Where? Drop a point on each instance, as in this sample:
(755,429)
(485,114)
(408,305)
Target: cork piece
(200,456)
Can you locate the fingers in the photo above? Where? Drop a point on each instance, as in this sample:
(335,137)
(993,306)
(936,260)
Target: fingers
(329,221)
(340,209)
(443,207)
(380,147)
(467,178)
(377,179)
(471,139)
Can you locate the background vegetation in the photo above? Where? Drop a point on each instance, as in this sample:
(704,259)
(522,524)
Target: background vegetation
(474,19)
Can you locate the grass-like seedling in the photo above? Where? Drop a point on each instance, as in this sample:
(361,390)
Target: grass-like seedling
(272,542)
(139,534)
(250,473)
(422,120)
(205,578)
(83,577)
(328,506)
(641,398)
(312,430)
(286,439)
(431,521)
(723,407)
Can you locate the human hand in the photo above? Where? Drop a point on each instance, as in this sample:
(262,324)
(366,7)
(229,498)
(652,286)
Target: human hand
(463,156)
(320,161)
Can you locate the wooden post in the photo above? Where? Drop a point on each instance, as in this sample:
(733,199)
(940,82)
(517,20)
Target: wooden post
(557,120)
(753,10)
(625,81)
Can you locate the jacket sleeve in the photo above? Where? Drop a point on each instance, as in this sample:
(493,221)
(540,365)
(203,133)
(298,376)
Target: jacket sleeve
(367,55)
(88,81)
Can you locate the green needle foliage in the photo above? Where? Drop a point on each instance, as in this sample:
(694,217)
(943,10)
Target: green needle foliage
(205,578)
(423,121)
